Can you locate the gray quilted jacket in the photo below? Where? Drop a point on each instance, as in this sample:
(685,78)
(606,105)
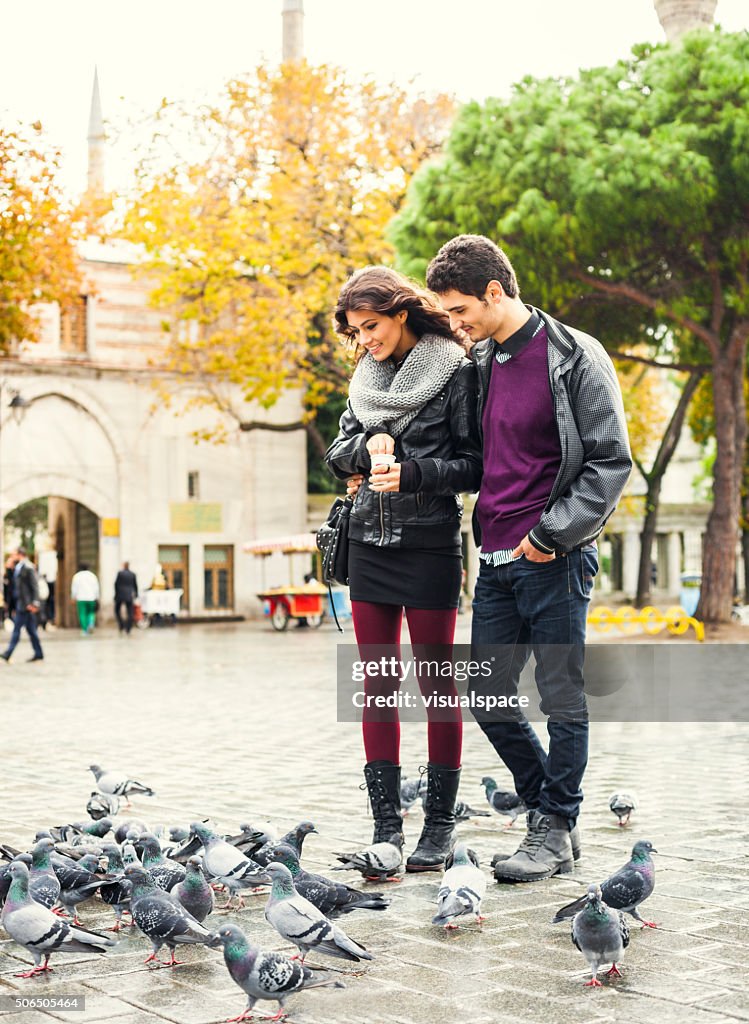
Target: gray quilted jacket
(596,459)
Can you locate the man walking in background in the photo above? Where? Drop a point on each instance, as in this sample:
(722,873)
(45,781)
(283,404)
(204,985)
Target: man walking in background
(25,588)
(556,459)
(125,593)
(84,589)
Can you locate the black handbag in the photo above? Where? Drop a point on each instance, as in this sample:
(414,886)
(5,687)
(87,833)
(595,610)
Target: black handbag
(332,542)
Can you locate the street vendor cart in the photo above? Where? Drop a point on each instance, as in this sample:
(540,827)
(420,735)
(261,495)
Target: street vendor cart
(305,602)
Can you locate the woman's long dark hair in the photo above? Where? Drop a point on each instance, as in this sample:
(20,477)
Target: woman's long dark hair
(385,291)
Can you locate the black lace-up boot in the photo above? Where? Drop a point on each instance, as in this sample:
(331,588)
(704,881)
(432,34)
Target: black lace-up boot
(437,836)
(383,782)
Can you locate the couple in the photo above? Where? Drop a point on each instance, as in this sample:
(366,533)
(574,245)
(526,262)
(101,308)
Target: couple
(535,420)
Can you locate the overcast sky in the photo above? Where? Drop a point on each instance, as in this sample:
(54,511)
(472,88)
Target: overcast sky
(188,49)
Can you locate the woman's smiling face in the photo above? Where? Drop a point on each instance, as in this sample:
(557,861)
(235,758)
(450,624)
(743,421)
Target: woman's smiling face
(381,335)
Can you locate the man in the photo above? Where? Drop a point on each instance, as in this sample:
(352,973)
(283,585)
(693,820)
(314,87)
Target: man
(84,590)
(556,459)
(25,589)
(125,592)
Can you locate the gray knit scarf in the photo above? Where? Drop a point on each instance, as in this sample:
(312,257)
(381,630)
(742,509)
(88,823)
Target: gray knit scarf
(382,395)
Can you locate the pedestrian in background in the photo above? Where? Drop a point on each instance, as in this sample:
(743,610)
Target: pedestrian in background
(25,600)
(84,590)
(125,593)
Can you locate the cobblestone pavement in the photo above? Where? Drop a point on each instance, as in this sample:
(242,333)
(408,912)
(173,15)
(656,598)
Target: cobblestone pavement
(238,722)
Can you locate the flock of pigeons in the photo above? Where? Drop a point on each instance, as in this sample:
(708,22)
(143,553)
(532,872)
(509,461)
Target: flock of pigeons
(166,881)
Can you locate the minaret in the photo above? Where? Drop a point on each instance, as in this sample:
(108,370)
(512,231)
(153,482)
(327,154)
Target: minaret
(96,142)
(293,30)
(680,16)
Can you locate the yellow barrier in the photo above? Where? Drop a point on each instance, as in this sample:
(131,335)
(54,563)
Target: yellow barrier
(652,620)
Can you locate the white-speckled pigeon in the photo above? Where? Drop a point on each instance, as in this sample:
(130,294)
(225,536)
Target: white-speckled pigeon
(298,921)
(116,783)
(378,862)
(601,935)
(116,894)
(331,898)
(264,975)
(626,889)
(161,917)
(463,888)
(505,802)
(294,839)
(44,885)
(622,804)
(164,873)
(224,863)
(40,931)
(194,892)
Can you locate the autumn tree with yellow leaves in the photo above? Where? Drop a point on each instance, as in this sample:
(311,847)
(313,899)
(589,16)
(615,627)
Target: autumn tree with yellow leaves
(301,170)
(37,232)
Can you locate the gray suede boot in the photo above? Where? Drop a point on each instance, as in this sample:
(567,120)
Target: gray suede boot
(545,851)
(574,842)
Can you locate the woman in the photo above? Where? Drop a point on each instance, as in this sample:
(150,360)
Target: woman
(412,396)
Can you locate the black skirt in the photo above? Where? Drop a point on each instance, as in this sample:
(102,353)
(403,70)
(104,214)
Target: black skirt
(410,577)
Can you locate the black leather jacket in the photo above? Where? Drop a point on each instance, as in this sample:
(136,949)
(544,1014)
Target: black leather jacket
(441,457)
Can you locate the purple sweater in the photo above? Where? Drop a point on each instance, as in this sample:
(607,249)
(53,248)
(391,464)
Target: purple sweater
(522,452)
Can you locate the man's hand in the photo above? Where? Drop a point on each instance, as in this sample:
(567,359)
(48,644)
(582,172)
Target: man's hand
(381,444)
(532,554)
(385,478)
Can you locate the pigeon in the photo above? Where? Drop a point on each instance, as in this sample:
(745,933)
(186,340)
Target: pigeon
(225,864)
(117,784)
(331,898)
(194,892)
(251,839)
(622,804)
(102,805)
(378,862)
(79,830)
(161,917)
(298,921)
(411,790)
(294,839)
(116,894)
(626,889)
(264,975)
(38,930)
(601,935)
(178,833)
(464,811)
(122,830)
(164,873)
(462,889)
(44,886)
(503,801)
(78,883)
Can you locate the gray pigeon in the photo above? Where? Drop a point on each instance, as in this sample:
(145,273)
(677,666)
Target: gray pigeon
(378,862)
(251,839)
(164,873)
(40,931)
(116,894)
(601,935)
(294,839)
(411,790)
(78,883)
(161,917)
(463,888)
(194,892)
(332,898)
(464,811)
(503,801)
(116,783)
(298,921)
(126,827)
(264,975)
(102,805)
(224,863)
(44,886)
(622,804)
(626,889)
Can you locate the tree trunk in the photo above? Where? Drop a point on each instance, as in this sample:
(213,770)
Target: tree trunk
(745,557)
(722,535)
(654,480)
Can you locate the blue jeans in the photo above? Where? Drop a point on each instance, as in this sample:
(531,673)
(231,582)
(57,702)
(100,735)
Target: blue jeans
(27,619)
(541,608)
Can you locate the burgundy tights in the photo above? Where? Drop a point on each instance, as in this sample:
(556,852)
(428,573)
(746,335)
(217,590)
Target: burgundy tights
(430,629)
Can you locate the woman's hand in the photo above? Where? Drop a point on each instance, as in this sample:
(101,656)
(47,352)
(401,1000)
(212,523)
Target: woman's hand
(381,444)
(385,478)
(353,484)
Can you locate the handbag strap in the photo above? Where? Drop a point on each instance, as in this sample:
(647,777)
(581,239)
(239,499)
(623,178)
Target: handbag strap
(332,605)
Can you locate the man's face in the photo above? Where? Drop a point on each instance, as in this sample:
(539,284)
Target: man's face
(478,318)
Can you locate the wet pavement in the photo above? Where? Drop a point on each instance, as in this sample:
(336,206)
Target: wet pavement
(238,723)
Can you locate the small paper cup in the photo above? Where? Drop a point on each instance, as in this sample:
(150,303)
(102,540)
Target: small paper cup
(382,460)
